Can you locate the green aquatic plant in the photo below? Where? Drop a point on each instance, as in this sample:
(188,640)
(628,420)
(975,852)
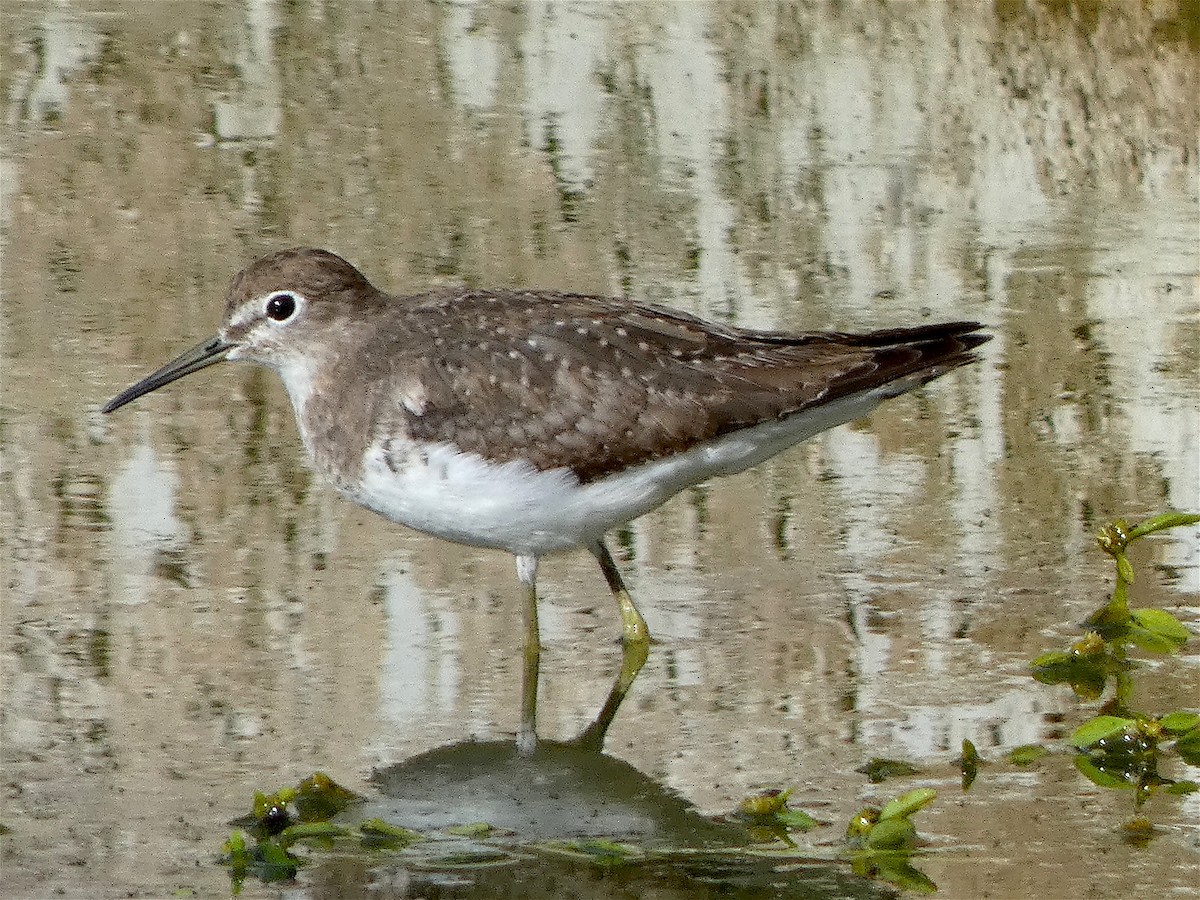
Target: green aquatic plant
(889,827)
(878,769)
(471,830)
(1122,748)
(279,820)
(380,835)
(266,860)
(769,816)
(605,854)
(969,762)
(1103,651)
(1026,754)
(273,844)
(315,799)
(1124,752)
(881,841)
(1154,630)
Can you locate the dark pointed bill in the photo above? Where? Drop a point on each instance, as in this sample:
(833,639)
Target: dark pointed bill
(201,356)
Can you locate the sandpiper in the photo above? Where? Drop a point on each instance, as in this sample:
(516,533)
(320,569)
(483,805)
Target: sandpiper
(537,421)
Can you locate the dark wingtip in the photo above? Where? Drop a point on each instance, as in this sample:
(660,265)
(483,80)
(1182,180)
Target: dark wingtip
(908,357)
(971,333)
(974,337)
(943,344)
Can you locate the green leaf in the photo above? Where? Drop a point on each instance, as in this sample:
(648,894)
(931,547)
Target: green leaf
(907,804)
(1166,520)
(969,762)
(1161,622)
(1098,776)
(1026,754)
(878,769)
(797,819)
(274,863)
(1151,642)
(765,803)
(1099,728)
(969,753)
(379,833)
(1179,722)
(1181,787)
(308,831)
(896,869)
(1188,747)
(1052,659)
(319,798)
(599,851)
(602,845)
(473,857)
(892,834)
(1157,631)
(1086,674)
(472,829)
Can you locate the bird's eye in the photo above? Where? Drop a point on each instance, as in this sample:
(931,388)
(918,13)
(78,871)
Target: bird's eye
(281,307)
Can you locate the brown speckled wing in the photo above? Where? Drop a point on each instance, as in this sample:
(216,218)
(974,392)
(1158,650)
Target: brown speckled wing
(596,385)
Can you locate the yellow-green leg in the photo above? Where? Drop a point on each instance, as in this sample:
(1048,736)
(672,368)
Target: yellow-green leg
(527,735)
(635,649)
(633,626)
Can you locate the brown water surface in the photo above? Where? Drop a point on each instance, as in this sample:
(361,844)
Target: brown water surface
(189,615)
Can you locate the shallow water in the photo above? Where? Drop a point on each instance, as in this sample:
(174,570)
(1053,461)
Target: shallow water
(190,616)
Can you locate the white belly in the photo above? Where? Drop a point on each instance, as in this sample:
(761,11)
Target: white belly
(464,498)
(512,506)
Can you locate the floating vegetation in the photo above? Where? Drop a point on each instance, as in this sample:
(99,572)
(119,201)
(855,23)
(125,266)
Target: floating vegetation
(1121,747)
(266,860)
(317,798)
(770,818)
(882,840)
(276,845)
(378,834)
(603,853)
(761,843)
(878,769)
(765,804)
(969,762)
(1103,651)
(1026,754)
(1123,752)
(471,830)
(889,827)
(278,821)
